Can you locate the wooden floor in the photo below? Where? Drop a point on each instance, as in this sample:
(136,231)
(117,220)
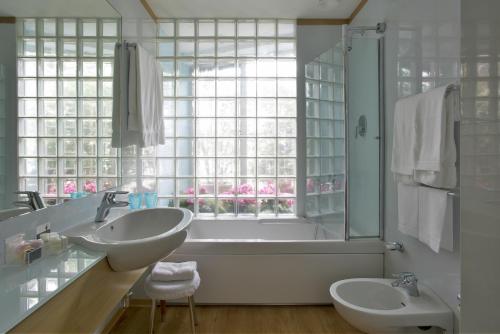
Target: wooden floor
(238,320)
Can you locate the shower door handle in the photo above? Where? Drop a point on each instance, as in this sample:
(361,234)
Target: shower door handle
(361,127)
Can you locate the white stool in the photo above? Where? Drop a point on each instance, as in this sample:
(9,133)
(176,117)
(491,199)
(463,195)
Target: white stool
(172,290)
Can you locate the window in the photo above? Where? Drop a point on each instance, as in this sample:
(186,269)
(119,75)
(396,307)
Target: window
(230,118)
(65,99)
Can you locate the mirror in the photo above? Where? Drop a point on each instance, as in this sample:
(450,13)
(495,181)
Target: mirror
(56,101)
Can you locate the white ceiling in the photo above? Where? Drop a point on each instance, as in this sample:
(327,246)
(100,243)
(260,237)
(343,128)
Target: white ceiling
(57,8)
(334,9)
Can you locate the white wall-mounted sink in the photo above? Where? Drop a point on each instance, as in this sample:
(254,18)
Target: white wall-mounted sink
(136,239)
(374,306)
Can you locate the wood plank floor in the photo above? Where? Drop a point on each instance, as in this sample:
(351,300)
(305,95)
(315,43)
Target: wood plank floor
(239,320)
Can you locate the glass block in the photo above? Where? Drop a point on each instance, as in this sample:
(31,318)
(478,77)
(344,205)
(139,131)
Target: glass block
(326,91)
(286,187)
(106,68)
(67,108)
(287,127)
(168,67)
(266,147)
(48,27)
(67,127)
(246,107)
(247,68)
(205,167)
(87,147)
(168,87)
(185,167)
(287,147)
(205,107)
(266,167)
(246,28)
(108,47)
(286,67)
(226,87)
(27,68)
(27,47)
(185,68)
(48,187)
(105,107)
(48,68)
(266,187)
(266,107)
(226,206)
(226,67)
(205,67)
(109,28)
(67,147)
(28,147)
(226,187)
(185,28)
(27,107)
(48,87)
(68,186)
(225,167)
(205,147)
(185,48)
(48,47)
(247,127)
(105,149)
(166,187)
(87,127)
(286,206)
(88,88)
(226,48)
(266,48)
(185,88)
(88,27)
(166,167)
(184,127)
(287,88)
(266,68)
(266,28)
(246,147)
(88,47)
(246,48)
(106,88)
(286,48)
(106,183)
(47,127)
(312,167)
(28,167)
(68,27)
(169,126)
(226,107)
(206,48)
(67,88)
(248,168)
(246,88)
(326,109)
(207,206)
(68,67)
(67,47)
(266,87)
(88,68)
(286,28)
(225,28)
(205,87)
(68,167)
(184,147)
(166,48)
(27,87)
(29,27)
(287,167)
(185,108)
(206,28)
(226,127)
(266,207)
(108,167)
(105,127)
(226,147)
(87,167)
(28,184)
(27,127)
(266,127)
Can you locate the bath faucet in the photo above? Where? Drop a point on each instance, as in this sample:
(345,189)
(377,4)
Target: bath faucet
(33,200)
(108,202)
(407,281)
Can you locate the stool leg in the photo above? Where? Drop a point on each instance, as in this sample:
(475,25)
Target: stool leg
(152,316)
(194,319)
(162,309)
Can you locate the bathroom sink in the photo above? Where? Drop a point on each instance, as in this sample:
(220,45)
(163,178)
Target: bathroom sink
(137,238)
(374,306)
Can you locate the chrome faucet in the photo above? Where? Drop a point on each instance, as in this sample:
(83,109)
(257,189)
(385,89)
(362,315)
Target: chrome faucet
(108,202)
(33,200)
(407,281)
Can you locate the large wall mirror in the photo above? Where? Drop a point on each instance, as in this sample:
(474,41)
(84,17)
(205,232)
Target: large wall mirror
(56,101)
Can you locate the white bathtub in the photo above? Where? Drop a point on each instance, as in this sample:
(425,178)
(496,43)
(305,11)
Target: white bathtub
(273,262)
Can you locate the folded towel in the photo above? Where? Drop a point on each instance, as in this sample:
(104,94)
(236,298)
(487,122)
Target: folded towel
(435,218)
(170,271)
(408,209)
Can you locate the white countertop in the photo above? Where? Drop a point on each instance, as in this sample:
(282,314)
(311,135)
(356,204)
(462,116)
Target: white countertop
(23,289)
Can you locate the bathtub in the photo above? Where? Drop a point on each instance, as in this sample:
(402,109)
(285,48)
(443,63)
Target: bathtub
(286,261)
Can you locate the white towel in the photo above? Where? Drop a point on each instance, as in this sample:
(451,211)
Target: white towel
(408,209)
(403,143)
(435,218)
(170,271)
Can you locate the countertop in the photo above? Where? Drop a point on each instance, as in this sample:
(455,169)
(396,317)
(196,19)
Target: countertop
(24,289)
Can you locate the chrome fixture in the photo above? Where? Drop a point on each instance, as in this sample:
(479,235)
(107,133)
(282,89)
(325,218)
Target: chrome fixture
(380,28)
(362,126)
(394,246)
(108,202)
(33,200)
(407,281)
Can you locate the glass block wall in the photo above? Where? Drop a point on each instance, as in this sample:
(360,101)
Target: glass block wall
(325,132)
(230,118)
(65,97)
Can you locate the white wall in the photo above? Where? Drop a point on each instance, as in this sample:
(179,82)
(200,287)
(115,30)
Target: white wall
(480,174)
(424,37)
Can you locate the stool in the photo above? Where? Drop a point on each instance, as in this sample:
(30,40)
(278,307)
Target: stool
(162,291)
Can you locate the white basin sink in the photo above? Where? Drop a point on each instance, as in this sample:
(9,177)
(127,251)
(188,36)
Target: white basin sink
(136,239)
(374,306)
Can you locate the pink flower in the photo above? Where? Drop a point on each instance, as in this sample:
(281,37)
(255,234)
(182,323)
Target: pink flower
(69,187)
(90,186)
(51,189)
(269,189)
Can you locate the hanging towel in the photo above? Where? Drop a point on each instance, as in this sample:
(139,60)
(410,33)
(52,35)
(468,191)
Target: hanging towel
(435,218)
(170,271)
(408,209)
